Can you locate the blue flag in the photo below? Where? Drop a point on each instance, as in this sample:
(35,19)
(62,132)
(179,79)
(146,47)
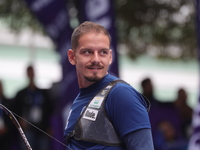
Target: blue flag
(53,16)
(194,143)
(102,12)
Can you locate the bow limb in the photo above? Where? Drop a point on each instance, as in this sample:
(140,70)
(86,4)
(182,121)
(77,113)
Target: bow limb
(14,120)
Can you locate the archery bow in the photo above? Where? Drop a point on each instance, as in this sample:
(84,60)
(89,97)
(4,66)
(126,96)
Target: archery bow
(14,120)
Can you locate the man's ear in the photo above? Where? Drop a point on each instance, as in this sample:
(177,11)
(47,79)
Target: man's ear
(110,60)
(71,56)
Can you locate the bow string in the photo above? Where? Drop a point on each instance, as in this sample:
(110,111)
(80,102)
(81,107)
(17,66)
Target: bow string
(16,123)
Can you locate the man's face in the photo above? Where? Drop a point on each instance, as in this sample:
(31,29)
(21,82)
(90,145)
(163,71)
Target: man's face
(92,57)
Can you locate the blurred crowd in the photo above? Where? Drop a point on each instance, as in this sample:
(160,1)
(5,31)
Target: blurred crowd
(171,121)
(34,106)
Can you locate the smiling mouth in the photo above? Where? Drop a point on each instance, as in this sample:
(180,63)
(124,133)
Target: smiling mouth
(95,67)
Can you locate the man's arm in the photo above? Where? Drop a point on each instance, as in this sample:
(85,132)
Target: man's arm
(139,140)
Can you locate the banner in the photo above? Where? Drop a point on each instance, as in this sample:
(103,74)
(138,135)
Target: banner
(102,12)
(194,143)
(53,16)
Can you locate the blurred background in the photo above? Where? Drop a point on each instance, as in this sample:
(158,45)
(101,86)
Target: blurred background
(153,39)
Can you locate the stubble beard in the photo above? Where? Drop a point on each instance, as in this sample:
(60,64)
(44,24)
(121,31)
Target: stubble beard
(93,78)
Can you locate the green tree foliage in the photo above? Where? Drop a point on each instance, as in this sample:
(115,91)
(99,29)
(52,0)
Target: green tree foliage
(16,14)
(161,28)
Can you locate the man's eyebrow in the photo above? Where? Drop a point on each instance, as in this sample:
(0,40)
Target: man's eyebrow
(105,49)
(86,49)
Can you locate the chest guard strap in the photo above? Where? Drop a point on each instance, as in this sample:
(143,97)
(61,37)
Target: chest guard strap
(94,125)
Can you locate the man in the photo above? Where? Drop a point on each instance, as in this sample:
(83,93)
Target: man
(125,108)
(148,91)
(34,105)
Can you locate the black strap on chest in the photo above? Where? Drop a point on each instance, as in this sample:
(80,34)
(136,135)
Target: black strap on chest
(94,124)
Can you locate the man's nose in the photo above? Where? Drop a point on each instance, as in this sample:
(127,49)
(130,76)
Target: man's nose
(95,57)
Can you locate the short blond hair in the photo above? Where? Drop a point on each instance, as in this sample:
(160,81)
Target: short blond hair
(84,28)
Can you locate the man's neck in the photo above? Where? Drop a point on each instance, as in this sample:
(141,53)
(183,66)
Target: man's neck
(85,84)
